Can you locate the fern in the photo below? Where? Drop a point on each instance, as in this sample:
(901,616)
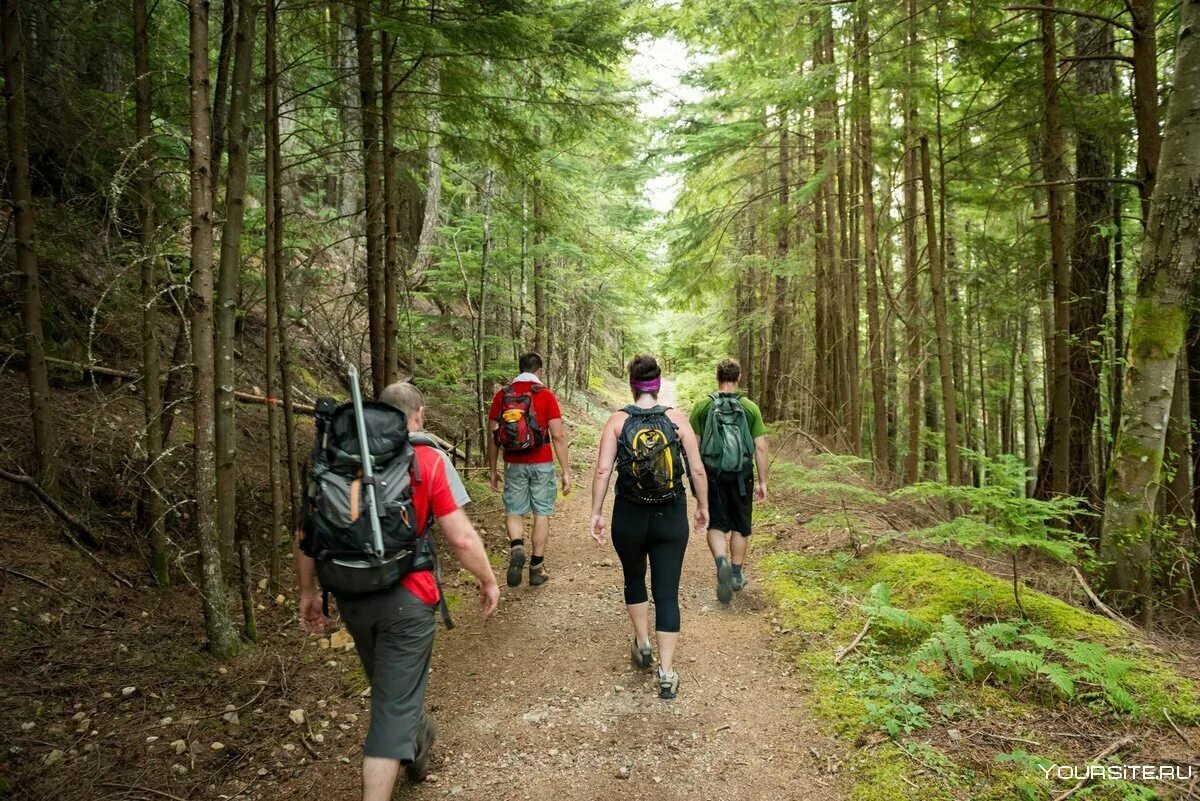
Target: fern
(958,646)
(878,606)
(1017,662)
(1059,676)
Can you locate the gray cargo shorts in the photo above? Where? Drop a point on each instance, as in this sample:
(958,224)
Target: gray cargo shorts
(393,634)
(530,488)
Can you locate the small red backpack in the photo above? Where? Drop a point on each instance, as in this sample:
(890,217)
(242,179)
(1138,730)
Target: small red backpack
(518,430)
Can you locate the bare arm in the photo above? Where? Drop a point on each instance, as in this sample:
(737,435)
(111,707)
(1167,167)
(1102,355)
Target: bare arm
(695,466)
(468,549)
(312,614)
(760,461)
(558,435)
(603,477)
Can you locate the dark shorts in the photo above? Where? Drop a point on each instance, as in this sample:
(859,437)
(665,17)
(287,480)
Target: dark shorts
(731,503)
(393,633)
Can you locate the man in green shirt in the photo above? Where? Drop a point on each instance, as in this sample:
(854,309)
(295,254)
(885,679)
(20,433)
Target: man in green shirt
(733,441)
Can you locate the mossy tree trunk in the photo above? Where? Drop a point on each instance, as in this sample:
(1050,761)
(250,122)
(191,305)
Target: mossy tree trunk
(1156,334)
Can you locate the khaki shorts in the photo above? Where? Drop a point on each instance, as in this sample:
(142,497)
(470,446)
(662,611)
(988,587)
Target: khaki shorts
(530,488)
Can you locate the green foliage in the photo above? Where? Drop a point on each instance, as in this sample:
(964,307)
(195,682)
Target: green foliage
(998,517)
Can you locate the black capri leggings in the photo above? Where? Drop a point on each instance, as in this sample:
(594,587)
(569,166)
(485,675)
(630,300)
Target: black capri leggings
(660,533)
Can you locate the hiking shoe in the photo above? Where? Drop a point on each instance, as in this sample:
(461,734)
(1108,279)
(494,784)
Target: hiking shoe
(418,769)
(516,564)
(668,685)
(537,576)
(641,655)
(724,580)
(739,581)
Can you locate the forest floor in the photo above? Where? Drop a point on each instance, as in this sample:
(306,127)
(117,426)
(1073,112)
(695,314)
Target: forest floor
(109,694)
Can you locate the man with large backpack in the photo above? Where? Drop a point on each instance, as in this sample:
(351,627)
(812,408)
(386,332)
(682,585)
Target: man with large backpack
(365,539)
(525,421)
(733,441)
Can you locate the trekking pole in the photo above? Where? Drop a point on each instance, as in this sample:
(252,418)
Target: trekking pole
(368,478)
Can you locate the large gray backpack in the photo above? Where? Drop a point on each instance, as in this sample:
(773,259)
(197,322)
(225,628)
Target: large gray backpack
(343,545)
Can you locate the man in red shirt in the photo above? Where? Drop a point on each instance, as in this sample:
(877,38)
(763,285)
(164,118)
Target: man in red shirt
(393,630)
(529,484)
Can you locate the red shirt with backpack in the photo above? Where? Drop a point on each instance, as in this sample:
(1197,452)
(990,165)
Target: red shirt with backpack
(544,408)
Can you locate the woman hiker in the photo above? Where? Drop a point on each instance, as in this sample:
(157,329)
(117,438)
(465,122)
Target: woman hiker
(651,447)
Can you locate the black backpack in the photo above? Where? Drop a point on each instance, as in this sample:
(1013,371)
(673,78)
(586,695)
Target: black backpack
(339,530)
(650,457)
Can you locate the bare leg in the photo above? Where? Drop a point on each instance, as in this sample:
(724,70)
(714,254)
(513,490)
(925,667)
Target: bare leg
(737,548)
(666,649)
(516,526)
(379,778)
(541,533)
(716,543)
(639,615)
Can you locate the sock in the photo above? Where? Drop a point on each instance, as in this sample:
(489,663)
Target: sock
(718,559)
(536,561)
(737,571)
(516,543)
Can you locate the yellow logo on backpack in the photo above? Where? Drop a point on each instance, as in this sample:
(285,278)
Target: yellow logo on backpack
(652,459)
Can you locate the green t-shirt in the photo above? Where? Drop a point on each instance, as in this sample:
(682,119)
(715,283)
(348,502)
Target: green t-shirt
(753,416)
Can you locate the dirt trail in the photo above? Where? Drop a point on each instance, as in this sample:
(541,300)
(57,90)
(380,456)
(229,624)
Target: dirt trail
(542,703)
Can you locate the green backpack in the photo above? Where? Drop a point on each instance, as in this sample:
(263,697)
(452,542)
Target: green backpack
(727,447)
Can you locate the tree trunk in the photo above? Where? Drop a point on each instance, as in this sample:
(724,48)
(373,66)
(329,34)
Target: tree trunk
(937,282)
(154,497)
(372,190)
(1145,97)
(274,190)
(1157,332)
(44,445)
(433,178)
(1055,174)
(540,321)
(912,309)
(1090,265)
(220,91)
(391,212)
(222,637)
(772,396)
(227,291)
(879,415)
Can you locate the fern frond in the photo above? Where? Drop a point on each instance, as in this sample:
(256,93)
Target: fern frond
(1058,676)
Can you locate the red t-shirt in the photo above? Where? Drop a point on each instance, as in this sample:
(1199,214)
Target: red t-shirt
(545,408)
(431,494)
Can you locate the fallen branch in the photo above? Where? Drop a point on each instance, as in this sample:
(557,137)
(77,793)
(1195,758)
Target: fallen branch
(136,789)
(48,501)
(1178,731)
(992,736)
(1100,605)
(45,584)
(1107,752)
(837,660)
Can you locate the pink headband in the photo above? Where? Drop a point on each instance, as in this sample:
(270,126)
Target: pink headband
(651,385)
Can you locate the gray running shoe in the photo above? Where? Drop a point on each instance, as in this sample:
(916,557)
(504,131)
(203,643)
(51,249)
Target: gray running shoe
(668,685)
(418,769)
(724,580)
(641,655)
(740,581)
(516,565)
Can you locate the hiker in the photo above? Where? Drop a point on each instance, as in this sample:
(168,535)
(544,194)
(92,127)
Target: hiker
(651,447)
(391,612)
(525,419)
(733,441)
